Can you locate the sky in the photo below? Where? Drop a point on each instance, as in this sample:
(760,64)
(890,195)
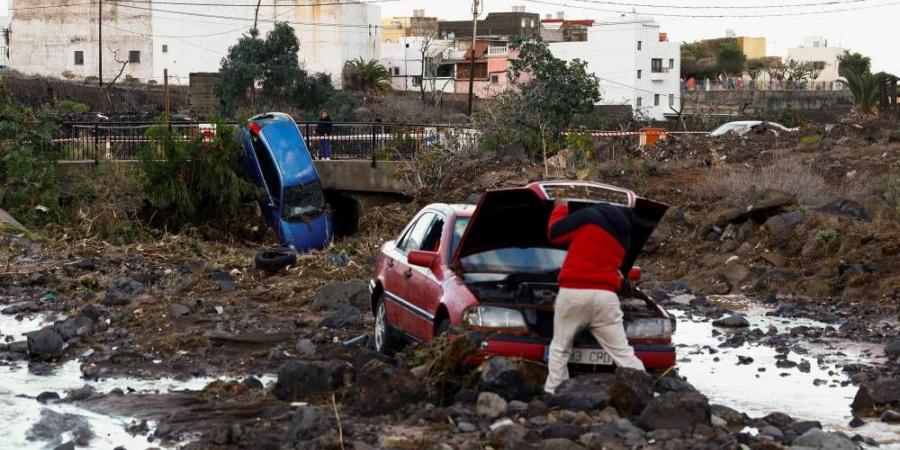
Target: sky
(868,31)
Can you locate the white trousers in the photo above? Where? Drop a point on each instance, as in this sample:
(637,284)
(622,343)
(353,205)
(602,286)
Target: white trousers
(600,312)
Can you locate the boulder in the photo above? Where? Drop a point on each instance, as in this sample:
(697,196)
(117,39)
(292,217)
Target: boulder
(558,444)
(47,396)
(309,422)
(680,411)
(85,392)
(52,425)
(45,345)
(884,391)
(773,432)
(503,377)
(892,349)
(381,388)
(305,347)
(226,284)
(298,379)
(846,208)
(805,425)
(122,291)
(561,430)
(890,416)
(672,384)
(780,420)
(734,274)
(337,294)
(732,321)
(345,316)
(780,226)
(820,440)
(75,326)
(583,393)
(490,405)
(631,390)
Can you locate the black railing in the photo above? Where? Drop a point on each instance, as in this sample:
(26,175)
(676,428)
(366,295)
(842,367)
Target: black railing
(349,140)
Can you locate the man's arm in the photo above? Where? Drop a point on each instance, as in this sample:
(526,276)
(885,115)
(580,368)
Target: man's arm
(560,212)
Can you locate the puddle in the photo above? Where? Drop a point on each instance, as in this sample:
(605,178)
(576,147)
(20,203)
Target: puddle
(19,411)
(757,394)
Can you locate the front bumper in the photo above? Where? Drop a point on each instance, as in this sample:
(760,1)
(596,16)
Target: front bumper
(654,356)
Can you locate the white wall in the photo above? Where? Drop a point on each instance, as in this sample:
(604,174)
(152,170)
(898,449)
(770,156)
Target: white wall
(612,54)
(324,47)
(827,54)
(4,22)
(404,61)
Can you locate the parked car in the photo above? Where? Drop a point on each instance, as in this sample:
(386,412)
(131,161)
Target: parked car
(743,127)
(277,160)
(491,269)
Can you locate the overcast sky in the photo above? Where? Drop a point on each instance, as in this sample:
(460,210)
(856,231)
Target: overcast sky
(868,31)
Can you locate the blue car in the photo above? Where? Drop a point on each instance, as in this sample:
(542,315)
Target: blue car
(277,160)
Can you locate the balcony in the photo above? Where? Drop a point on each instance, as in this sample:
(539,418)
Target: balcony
(497,50)
(659,73)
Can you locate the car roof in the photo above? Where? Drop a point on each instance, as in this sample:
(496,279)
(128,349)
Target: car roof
(286,143)
(455,209)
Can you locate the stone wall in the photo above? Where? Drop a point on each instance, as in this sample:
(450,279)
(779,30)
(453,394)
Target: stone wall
(817,103)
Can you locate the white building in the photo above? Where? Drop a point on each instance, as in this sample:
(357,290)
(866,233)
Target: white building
(4,44)
(63,41)
(403,60)
(636,64)
(817,49)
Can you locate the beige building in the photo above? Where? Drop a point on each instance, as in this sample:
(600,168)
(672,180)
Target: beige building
(753,47)
(394,29)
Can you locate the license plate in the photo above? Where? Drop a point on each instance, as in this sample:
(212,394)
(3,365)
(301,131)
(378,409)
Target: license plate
(591,356)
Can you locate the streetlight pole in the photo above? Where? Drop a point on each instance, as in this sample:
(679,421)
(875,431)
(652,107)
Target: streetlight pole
(475,11)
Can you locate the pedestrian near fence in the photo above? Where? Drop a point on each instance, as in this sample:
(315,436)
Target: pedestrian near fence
(323,129)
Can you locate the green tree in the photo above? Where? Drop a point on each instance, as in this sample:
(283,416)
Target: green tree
(864,87)
(853,62)
(755,67)
(731,59)
(362,75)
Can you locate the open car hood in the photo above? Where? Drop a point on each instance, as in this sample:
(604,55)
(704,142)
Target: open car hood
(518,218)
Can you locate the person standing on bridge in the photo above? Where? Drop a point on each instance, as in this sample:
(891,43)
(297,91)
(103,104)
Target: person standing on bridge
(323,129)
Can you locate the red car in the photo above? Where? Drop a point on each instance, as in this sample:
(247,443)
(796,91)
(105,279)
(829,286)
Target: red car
(492,269)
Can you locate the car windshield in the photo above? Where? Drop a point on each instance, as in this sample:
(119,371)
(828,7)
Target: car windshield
(459,227)
(515,260)
(304,201)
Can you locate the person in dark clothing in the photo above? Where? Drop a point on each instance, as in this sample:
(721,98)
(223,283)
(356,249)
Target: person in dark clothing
(597,237)
(323,129)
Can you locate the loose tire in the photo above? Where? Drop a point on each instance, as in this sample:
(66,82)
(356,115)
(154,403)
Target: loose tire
(274,260)
(386,342)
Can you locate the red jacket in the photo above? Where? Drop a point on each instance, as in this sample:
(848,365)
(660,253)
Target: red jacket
(597,237)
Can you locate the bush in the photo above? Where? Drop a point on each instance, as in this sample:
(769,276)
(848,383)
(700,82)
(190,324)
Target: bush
(193,182)
(785,175)
(826,236)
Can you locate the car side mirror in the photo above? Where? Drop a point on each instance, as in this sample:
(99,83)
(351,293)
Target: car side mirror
(634,274)
(421,258)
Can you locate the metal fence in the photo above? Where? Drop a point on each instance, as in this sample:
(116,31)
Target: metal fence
(349,140)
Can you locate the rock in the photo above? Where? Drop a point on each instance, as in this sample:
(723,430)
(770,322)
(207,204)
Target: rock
(179,310)
(517,408)
(892,349)
(305,347)
(226,284)
(337,294)
(83,393)
(681,411)
(583,393)
(780,226)
(774,432)
(846,208)
(856,422)
(381,388)
(804,426)
(820,440)
(70,445)
(559,444)
(883,391)
(76,326)
(717,421)
(53,424)
(490,405)
(45,345)
(780,420)
(466,397)
(346,316)
(309,422)
(122,291)
(93,312)
(764,205)
(503,377)
(732,321)
(890,416)
(734,274)
(507,434)
(513,153)
(744,360)
(631,390)
(252,384)
(20,308)
(466,427)
(87,264)
(45,397)
(537,407)
(562,430)
(608,415)
(298,379)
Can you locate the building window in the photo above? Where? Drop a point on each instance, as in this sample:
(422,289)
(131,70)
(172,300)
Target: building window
(416,80)
(495,79)
(524,23)
(656,65)
(79,58)
(655,99)
(639,101)
(639,74)
(134,56)
(396,71)
(672,100)
(671,63)
(640,45)
(165,48)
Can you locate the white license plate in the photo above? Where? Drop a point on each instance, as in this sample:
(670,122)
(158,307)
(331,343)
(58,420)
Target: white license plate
(591,356)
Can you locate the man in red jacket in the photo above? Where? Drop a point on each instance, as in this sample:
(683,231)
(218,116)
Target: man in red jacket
(597,236)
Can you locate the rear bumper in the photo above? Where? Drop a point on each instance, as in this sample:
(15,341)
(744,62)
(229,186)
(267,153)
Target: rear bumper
(654,356)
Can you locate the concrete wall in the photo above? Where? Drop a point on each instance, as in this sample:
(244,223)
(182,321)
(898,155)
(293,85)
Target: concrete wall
(203,92)
(829,55)
(611,53)
(834,103)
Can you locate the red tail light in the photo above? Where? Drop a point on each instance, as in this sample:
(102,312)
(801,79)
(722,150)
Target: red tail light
(255,128)
(634,274)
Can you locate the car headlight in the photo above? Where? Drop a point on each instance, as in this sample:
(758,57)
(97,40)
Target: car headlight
(482,316)
(656,328)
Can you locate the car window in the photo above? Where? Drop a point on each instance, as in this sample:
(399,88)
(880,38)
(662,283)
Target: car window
(417,233)
(459,227)
(269,171)
(432,240)
(515,259)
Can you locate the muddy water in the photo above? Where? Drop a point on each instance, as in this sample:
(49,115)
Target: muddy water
(19,410)
(746,389)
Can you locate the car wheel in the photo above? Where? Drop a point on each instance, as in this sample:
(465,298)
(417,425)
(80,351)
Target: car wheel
(443,327)
(274,260)
(386,342)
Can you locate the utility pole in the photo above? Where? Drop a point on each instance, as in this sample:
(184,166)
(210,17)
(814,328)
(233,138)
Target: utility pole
(166,90)
(100,41)
(476,4)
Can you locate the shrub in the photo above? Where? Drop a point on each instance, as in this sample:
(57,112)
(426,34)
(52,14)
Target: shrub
(826,236)
(192,182)
(785,175)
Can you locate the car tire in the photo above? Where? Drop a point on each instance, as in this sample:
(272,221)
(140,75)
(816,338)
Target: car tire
(274,260)
(443,327)
(386,341)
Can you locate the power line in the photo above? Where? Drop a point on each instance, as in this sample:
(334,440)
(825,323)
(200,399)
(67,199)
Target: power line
(688,7)
(26,8)
(220,3)
(716,16)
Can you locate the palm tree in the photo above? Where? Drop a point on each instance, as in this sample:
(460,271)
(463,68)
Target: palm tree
(362,75)
(864,87)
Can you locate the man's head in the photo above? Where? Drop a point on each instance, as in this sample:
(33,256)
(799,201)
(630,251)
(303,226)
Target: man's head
(323,113)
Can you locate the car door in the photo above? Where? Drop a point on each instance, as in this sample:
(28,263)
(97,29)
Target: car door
(423,289)
(402,313)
